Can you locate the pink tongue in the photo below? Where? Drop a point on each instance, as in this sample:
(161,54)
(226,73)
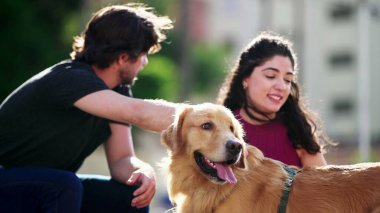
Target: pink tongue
(225,173)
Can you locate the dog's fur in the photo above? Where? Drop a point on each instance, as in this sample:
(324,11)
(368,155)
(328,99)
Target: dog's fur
(207,128)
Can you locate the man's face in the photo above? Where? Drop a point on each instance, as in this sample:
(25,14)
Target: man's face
(129,71)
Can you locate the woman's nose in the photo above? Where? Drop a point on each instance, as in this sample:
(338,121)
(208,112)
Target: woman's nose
(281,85)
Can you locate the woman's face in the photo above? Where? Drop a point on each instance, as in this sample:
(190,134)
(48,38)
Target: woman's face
(268,86)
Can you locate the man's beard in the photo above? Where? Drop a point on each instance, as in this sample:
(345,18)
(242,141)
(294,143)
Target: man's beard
(126,78)
(128,81)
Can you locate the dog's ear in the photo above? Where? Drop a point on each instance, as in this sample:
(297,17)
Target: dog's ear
(243,158)
(172,136)
(240,135)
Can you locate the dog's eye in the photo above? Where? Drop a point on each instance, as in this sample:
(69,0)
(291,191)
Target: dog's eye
(207,126)
(232,128)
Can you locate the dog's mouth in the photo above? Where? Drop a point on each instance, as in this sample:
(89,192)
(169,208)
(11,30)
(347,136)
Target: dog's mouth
(218,171)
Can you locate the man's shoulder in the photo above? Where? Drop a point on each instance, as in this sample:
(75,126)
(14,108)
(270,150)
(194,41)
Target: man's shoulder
(66,70)
(70,65)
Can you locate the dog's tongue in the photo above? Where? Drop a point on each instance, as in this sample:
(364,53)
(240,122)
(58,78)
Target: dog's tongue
(225,173)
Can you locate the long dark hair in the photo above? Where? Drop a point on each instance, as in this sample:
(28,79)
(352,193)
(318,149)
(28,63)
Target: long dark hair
(304,128)
(130,28)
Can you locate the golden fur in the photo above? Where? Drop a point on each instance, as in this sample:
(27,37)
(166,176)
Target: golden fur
(260,180)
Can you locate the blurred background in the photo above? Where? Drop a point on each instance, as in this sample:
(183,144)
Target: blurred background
(337,43)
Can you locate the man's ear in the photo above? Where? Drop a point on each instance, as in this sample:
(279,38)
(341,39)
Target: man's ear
(172,136)
(123,58)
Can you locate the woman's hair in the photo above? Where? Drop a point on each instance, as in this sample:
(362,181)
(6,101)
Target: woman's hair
(130,28)
(304,128)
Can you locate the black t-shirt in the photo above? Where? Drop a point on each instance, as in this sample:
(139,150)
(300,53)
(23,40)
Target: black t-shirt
(39,125)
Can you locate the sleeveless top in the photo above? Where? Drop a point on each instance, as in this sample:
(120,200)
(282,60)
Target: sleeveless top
(272,139)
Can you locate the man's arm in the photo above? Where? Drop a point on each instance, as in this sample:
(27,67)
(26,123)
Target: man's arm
(126,168)
(153,115)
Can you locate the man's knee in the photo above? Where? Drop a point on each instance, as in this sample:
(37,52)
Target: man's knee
(108,195)
(71,181)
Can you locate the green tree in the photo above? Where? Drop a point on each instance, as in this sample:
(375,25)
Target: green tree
(157,80)
(34,34)
(209,67)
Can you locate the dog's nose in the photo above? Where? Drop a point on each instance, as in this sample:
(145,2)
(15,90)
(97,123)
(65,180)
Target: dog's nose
(233,147)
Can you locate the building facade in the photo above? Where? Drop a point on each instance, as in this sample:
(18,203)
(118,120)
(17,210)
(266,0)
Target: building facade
(338,49)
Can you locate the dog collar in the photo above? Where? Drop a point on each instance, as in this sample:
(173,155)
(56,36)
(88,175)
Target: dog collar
(288,183)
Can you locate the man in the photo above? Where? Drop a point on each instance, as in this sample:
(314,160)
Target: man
(52,122)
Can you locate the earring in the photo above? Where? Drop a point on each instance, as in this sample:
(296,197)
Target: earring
(245,86)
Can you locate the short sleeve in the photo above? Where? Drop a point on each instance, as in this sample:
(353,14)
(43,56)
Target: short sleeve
(67,83)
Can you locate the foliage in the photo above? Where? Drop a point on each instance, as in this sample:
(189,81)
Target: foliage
(373,156)
(162,7)
(157,80)
(32,38)
(37,34)
(209,67)
(161,76)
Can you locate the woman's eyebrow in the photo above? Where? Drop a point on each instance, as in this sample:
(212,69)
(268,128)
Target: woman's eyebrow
(276,70)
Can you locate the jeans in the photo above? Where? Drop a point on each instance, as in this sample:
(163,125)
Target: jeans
(39,190)
(102,194)
(35,190)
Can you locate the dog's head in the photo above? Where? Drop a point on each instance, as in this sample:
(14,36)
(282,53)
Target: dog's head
(210,138)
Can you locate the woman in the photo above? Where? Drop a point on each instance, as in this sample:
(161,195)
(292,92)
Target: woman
(263,93)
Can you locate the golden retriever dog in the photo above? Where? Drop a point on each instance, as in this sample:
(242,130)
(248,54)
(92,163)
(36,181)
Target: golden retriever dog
(211,169)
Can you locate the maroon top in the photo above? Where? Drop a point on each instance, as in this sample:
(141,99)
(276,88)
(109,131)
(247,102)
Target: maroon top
(272,139)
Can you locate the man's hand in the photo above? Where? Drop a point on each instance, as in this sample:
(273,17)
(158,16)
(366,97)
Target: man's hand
(127,168)
(144,194)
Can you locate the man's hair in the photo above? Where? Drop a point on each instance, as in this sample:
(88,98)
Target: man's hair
(117,29)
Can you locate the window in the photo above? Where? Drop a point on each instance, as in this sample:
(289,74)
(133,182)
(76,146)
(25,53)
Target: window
(342,106)
(341,59)
(342,11)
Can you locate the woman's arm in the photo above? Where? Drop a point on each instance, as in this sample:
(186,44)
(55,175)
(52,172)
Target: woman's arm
(308,159)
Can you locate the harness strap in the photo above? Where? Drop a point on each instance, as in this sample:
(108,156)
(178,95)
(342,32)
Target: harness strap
(288,184)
